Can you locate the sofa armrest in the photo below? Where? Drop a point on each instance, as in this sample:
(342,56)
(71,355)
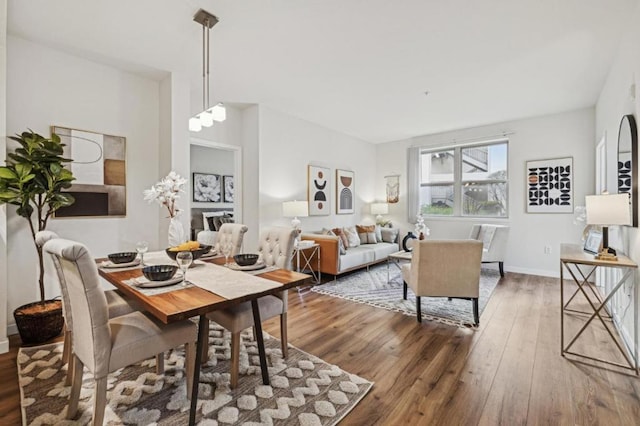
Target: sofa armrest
(329,252)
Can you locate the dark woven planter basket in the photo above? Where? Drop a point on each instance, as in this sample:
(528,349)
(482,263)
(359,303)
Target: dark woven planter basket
(39,327)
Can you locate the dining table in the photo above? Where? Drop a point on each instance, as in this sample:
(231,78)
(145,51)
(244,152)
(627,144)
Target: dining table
(184,302)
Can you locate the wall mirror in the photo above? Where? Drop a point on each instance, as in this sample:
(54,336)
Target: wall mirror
(628,163)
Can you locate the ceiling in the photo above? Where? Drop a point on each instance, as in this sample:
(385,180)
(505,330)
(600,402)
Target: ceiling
(360,67)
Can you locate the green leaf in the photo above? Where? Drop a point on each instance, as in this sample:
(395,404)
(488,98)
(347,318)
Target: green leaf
(7,173)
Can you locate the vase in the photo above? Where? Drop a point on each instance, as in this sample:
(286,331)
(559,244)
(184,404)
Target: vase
(176,232)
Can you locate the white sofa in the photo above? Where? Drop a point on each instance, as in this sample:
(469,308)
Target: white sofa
(334,263)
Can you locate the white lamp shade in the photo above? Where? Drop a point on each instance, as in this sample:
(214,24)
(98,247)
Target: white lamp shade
(206,118)
(194,124)
(295,209)
(218,112)
(608,210)
(379,208)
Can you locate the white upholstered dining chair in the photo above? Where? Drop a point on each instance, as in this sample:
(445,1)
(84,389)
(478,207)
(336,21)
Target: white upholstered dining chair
(104,344)
(276,249)
(117,305)
(444,268)
(231,233)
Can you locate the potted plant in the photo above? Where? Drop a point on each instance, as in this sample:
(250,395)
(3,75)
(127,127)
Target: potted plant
(33,180)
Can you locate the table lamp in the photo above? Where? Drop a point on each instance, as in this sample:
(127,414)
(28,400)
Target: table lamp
(379,209)
(606,210)
(295,209)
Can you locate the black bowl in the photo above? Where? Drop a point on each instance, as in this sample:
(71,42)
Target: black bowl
(159,272)
(203,249)
(245,259)
(124,257)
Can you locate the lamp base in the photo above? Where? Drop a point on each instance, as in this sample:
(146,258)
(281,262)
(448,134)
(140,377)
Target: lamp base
(605,255)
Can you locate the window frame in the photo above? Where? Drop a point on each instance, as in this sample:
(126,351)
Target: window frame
(458,183)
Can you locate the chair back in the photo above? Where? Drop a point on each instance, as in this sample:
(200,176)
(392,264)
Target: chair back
(41,238)
(493,238)
(78,274)
(446,268)
(231,232)
(276,246)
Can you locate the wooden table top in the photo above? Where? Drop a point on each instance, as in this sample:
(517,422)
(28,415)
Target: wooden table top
(184,303)
(573,253)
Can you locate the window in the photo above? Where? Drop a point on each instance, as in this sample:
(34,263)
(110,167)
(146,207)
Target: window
(469,180)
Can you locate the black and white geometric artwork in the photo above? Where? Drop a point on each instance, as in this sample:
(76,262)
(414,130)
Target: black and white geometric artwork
(624,172)
(550,186)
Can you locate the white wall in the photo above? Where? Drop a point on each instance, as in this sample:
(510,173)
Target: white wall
(568,134)
(620,96)
(4,342)
(287,146)
(47,87)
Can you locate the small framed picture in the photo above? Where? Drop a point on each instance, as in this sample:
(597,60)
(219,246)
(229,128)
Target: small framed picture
(227,196)
(593,243)
(207,188)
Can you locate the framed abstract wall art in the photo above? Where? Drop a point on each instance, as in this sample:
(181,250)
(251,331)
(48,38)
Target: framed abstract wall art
(99,166)
(227,183)
(207,188)
(318,191)
(345,192)
(550,186)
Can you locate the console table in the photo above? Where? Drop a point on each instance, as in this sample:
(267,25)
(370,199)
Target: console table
(572,257)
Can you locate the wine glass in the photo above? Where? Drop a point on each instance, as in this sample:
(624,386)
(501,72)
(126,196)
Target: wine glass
(226,250)
(141,248)
(184,259)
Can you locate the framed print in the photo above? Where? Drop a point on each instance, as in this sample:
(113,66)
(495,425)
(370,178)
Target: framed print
(392,183)
(550,186)
(227,183)
(206,188)
(318,191)
(345,193)
(100,168)
(593,243)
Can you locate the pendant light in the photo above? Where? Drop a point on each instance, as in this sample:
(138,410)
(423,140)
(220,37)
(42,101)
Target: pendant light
(217,112)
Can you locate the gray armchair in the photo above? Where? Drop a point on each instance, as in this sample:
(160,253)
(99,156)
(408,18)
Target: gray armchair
(444,268)
(494,243)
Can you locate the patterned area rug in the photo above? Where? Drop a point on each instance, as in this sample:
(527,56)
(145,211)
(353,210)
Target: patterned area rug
(372,288)
(304,389)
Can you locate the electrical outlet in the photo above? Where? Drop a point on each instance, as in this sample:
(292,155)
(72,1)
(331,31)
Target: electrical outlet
(547,249)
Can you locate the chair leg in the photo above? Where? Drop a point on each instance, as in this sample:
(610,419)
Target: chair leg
(70,368)
(235,359)
(501,266)
(255,333)
(66,349)
(205,346)
(476,315)
(404,290)
(283,334)
(99,400)
(190,363)
(160,363)
(418,309)
(75,387)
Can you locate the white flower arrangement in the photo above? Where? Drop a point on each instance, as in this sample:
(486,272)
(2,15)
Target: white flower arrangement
(167,192)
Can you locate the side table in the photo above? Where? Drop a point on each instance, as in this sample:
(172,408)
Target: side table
(395,258)
(304,257)
(572,257)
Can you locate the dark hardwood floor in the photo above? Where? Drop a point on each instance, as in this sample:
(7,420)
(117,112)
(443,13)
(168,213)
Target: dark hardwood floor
(507,372)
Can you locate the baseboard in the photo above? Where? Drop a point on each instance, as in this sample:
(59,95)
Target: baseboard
(528,271)
(4,346)
(624,334)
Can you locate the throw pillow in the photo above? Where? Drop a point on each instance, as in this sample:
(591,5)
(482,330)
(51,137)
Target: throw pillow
(218,221)
(343,237)
(367,234)
(389,235)
(352,236)
(378,233)
(207,218)
(341,248)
